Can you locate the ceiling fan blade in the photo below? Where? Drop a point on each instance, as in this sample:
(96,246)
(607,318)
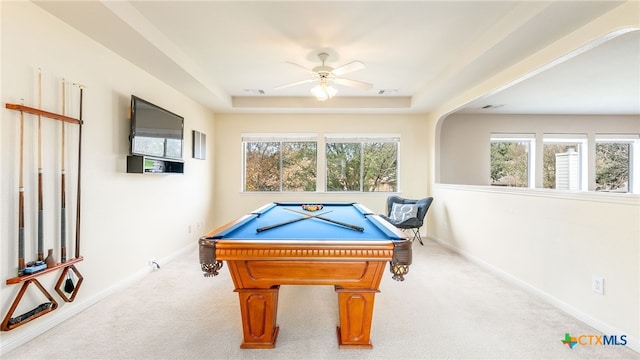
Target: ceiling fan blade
(353,83)
(347,68)
(300,66)
(294,83)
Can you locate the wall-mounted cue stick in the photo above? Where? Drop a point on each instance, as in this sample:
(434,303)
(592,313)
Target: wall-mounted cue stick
(40,195)
(21,201)
(63,206)
(79,173)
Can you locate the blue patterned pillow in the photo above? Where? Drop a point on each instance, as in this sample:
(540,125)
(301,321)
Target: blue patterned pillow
(402,212)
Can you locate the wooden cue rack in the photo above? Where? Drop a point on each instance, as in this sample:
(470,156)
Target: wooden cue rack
(10,322)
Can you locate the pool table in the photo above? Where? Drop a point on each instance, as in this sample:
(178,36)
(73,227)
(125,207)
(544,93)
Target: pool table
(340,244)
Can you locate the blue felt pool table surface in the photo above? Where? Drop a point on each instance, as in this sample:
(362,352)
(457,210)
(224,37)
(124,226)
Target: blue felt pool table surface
(374,228)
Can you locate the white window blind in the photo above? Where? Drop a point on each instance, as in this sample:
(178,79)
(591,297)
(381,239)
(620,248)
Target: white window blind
(511,137)
(353,138)
(618,137)
(262,137)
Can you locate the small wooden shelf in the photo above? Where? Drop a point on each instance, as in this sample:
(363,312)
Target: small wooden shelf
(47,114)
(19,279)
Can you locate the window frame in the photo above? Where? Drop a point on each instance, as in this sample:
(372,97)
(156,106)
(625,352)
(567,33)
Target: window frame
(362,139)
(321,156)
(280,138)
(530,139)
(571,139)
(634,157)
(587,149)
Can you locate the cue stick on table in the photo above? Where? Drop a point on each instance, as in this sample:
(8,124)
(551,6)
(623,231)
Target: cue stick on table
(306,216)
(352,227)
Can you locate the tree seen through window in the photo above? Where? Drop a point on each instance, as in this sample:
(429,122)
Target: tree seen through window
(510,163)
(362,166)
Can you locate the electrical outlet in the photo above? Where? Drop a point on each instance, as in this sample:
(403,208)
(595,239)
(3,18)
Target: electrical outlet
(597,284)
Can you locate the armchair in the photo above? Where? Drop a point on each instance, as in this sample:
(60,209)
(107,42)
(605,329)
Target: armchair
(407,214)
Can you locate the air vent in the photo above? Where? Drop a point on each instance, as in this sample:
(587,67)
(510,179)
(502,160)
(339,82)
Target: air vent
(492,106)
(388,92)
(255,91)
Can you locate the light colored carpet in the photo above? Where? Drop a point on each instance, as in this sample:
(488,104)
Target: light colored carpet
(448,308)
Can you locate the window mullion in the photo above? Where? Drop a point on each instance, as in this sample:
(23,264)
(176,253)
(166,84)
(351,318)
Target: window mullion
(361,166)
(281,165)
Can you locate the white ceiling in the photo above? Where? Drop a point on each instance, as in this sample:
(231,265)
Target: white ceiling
(224,54)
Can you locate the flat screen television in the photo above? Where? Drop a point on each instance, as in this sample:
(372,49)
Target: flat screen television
(155,131)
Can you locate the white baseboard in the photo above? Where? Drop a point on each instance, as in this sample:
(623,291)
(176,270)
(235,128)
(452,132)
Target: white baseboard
(46,323)
(632,343)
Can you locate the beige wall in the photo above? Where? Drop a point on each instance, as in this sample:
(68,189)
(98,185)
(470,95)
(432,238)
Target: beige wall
(127,219)
(552,244)
(232,203)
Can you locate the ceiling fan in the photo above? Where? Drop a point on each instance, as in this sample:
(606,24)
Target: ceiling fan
(324,75)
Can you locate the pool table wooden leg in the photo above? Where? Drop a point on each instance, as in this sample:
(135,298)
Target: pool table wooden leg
(356,312)
(259,308)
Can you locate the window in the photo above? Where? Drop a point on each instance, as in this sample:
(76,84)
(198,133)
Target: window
(569,162)
(511,159)
(614,163)
(362,163)
(299,166)
(563,163)
(262,166)
(279,163)
(289,162)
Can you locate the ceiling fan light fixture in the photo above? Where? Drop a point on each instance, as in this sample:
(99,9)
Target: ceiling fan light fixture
(323,91)
(325,74)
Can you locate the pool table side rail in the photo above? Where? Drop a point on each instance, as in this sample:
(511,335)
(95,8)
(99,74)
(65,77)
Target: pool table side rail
(223,230)
(330,250)
(391,231)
